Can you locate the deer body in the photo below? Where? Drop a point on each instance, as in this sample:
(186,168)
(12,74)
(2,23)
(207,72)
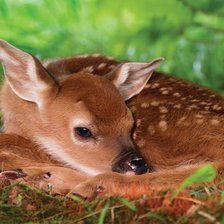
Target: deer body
(178,125)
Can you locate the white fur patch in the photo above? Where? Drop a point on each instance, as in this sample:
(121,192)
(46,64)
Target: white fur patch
(55,150)
(154,103)
(89,69)
(102,65)
(151,129)
(163,125)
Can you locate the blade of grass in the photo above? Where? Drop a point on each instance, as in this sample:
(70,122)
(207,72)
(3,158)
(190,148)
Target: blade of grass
(154,216)
(128,204)
(204,174)
(222,198)
(76,198)
(103,213)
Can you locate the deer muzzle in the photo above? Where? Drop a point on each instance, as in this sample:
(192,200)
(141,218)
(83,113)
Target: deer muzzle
(129,162)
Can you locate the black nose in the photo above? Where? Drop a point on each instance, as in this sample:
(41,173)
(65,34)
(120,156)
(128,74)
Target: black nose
(129,162)
(138,165)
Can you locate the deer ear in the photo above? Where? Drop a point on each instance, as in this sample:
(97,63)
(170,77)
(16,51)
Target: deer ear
(130,78)
(26,76)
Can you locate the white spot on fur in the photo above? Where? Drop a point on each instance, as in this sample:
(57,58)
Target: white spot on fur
(216,107)
(203,103)
(133,108)
(102,65)
(178,106)
(199,116)
(144,105)
(155,85)
(138,122)
(205,112)
(141,143)
(192,107)
(195,101)
(112,66)
(181,120)
(176,94)
(165,92)
(151,129)
(89,69)
(147,86)
(163,125)
(199,121)
(154,103)
(163,116)
(214,122)
(163,109)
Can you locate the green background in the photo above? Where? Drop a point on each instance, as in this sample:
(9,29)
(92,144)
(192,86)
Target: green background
(189,34)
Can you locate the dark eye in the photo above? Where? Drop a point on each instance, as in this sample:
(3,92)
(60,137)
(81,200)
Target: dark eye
(83,132)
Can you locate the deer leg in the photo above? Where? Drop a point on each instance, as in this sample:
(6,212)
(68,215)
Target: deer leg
(157,180)
(59,180)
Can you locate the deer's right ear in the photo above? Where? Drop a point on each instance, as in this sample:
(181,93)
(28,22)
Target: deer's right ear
(131,77)
(26,76)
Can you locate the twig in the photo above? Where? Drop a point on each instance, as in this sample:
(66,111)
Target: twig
(206,215)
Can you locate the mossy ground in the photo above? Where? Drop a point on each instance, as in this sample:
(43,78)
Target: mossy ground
(22,204)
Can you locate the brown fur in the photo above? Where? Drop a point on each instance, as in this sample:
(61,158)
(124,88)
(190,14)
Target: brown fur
(193,135)
(178,127)
(185,107)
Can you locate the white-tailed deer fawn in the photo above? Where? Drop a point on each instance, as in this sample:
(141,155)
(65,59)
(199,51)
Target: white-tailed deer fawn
(81,121)
(67,120)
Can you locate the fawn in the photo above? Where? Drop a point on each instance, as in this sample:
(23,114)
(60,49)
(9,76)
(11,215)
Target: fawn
(66,120)
(77,125)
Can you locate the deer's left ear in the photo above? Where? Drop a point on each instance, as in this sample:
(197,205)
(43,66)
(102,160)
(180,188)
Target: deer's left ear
(26,76)
(130,78)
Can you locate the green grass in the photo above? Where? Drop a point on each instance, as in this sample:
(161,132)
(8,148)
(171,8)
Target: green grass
(22,204)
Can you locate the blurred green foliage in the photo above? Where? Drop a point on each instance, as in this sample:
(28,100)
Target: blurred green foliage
(188,33)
